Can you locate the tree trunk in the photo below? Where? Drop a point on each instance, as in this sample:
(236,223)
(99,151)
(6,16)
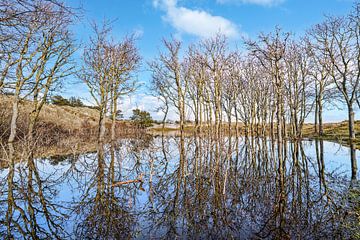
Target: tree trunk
(320,110)
(201,114)
(101,132)
(351,142)
(164,118)
(14,117)
(32,117)
(113,120)
(316,110)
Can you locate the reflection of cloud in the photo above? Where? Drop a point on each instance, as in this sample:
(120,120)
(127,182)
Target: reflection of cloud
(257,2)
(145,102)
(195,22)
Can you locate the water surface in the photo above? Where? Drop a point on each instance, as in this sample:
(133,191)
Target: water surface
(191,188)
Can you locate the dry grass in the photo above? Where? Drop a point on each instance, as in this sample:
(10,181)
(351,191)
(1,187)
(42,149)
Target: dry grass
(336,132)
(60,129)
(63,117)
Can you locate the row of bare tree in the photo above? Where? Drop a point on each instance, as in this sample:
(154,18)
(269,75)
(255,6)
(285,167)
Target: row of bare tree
(270,86)
(36,55)
(108,71)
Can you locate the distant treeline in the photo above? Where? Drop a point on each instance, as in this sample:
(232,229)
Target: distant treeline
(72,101)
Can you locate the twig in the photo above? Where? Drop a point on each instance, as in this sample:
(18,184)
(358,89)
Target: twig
(139,179)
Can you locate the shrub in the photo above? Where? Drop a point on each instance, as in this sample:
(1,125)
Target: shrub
(72,101)
(141,119)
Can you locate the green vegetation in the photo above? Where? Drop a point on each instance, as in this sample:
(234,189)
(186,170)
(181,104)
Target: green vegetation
(119,115)
(141,119)
(72,101)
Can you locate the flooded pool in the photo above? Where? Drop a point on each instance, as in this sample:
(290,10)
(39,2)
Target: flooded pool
(190,188)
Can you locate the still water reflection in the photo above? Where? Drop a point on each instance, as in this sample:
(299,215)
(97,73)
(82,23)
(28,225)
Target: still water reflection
(184,188)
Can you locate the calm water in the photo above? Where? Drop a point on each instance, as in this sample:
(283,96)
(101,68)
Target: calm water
(190,189)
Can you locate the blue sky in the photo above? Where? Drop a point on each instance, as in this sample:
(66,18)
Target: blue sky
(191,20)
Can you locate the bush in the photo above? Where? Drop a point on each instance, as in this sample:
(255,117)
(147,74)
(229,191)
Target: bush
(119,115)
(72,101)
(141,119)
(59,100)
(76,102)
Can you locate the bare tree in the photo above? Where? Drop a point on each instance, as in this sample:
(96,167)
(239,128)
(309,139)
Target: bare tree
(36,52)
(297,87)
(159,87)
(96,73)
(339,38)
(108,72)
(319,62)
(169,76)
(271,50)
(216,60)
(125,60)
(55,62)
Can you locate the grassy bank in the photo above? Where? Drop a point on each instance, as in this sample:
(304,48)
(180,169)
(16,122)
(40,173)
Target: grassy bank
(335,132)
(59,130)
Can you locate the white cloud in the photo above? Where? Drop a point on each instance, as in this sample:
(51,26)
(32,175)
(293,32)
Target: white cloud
(257,2)
(145,102)
(195,22)
(139,31)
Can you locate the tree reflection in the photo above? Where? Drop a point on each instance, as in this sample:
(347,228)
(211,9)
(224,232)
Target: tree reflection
(29,194)
(236,196)
(191,187)
(102,213)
